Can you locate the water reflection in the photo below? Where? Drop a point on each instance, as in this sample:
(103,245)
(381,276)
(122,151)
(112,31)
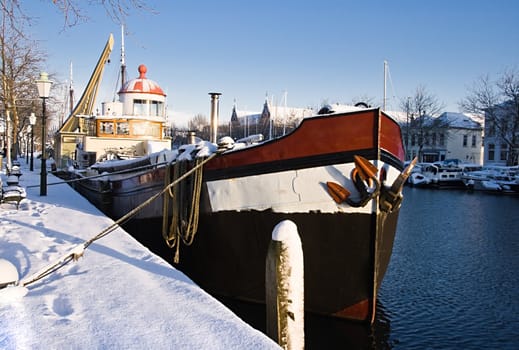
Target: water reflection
(325,332)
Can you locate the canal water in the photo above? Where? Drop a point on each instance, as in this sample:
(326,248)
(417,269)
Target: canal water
(452,283)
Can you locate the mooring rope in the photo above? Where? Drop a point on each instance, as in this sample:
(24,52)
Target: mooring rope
(184,218)
(124,171)
(78,251)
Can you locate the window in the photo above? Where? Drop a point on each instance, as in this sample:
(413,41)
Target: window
(123,128)
(146,107)
(491,150)
(465,137)
(140,107)
(413,140)
(106,127)
(473,140)
(491,130)
(156,108)
(442,139)
(504,152)
(146,129)
(434,139)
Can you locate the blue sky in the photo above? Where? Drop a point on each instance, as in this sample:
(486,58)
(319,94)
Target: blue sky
(316,51)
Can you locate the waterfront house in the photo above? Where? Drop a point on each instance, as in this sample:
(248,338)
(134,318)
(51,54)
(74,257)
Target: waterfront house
(501,135)
(450,136)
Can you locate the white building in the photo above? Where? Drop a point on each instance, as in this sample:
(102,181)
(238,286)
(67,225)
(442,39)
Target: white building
(449,136)
(499,135)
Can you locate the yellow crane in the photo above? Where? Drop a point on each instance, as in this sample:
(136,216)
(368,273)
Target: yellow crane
(73,129)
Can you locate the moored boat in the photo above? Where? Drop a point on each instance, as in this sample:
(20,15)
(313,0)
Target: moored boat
(246,192)
(440,175)
(338,176)
(492,179)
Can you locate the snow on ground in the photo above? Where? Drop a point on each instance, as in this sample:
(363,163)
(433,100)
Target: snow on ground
(119,295)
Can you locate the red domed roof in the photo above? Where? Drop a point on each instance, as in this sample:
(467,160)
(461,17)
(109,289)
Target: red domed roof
(142,84)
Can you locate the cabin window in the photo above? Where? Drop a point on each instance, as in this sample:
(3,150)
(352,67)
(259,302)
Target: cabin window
(156,108)
(491,150)
(146,129)
(106,127)
(146,107)
(140,107)
(123,128)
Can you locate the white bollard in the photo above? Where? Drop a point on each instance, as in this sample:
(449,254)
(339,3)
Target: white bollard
(8,273)
(284,287)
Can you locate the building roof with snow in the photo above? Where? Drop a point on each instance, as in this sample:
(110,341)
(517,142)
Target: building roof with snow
(459,120)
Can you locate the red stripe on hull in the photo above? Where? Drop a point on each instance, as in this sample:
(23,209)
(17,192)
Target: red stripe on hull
(359,311)
(390,137)
(320,135)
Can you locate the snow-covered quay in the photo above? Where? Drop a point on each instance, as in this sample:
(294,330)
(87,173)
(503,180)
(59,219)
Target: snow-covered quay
(118,295)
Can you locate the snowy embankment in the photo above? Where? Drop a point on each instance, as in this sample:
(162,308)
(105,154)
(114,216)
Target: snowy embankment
(118,295)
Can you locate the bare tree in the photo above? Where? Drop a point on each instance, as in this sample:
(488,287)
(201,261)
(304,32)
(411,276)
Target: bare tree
(499,102)
(19,59)
(200,124)
(420,109)
(74,11)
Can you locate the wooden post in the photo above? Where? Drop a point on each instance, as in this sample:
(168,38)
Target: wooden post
(284,287)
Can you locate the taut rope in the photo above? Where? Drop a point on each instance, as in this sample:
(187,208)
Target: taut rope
(78,251)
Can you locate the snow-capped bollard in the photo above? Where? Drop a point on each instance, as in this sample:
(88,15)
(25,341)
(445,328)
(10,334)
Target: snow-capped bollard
(284,287)
(8,273)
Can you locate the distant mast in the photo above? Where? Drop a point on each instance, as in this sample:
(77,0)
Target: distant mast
(123,63)
(71,91)
(385,75)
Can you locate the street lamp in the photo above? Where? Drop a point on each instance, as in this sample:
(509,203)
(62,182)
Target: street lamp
(32,121)
(26,138)
(43,85)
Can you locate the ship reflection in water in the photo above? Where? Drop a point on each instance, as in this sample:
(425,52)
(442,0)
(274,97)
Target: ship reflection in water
(452,282)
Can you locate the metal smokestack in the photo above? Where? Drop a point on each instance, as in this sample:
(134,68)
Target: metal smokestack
(214,115)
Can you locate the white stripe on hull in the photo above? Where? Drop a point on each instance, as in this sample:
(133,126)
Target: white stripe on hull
(293,191)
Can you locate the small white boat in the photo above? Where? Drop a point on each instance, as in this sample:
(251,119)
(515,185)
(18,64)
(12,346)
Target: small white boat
(495,179)
(418,179)
(438,175)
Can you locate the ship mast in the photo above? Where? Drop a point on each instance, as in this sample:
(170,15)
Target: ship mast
(123,62)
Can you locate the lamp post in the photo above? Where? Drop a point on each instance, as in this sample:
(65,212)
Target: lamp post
(26,139)
(8,130)
(32,121)
(43,85)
